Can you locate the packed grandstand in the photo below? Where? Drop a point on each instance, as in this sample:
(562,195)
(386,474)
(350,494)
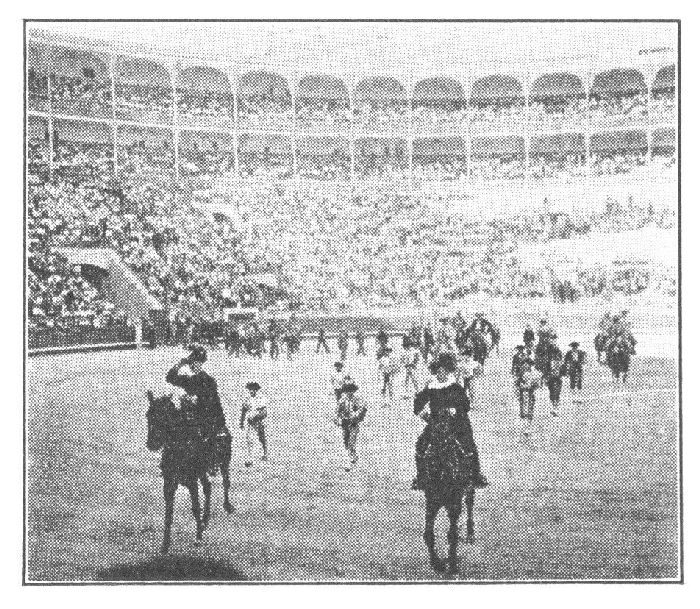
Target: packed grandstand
(202,184)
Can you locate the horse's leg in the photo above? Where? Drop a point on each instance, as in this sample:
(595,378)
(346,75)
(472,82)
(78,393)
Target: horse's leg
(454,511)
(169,488)
(206,486)
(194,494)
(226,481)
(432,507)
(469,502)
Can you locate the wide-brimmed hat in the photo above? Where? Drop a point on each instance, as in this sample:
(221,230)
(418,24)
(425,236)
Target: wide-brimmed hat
(197,353)
(444,360)
(252,386)
(338,364)
(520,347)
(349,387)
(574,344)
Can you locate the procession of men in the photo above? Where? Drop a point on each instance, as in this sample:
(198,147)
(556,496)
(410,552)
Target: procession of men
(462,347)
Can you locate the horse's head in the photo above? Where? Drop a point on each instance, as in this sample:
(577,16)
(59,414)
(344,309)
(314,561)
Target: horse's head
(158,416)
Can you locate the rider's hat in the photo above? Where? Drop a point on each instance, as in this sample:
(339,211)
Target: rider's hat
(197,353)
(520,347)
(444,360)
(338,365)
(574,344)
(349,387)
(253,386)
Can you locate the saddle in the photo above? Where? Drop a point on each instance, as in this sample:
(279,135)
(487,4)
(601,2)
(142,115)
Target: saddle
(448,463)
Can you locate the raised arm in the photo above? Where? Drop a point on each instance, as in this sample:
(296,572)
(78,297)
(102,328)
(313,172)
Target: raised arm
(175,378)
(421,399)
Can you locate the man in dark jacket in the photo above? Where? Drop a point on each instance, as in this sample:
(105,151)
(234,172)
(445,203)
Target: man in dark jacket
(573,366)
(446,398)
(203,393)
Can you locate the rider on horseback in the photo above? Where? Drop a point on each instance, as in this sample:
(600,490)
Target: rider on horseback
(446,398)
(203,396)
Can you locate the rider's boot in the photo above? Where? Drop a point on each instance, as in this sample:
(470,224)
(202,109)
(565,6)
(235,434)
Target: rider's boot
(478,478)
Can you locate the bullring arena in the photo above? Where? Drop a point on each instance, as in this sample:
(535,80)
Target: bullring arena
(166,192)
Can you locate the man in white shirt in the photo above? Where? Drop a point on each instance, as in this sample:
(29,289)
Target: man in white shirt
(409,358)
(253,415)
(337,379)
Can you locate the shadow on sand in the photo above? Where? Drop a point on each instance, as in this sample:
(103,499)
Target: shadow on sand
(173,568)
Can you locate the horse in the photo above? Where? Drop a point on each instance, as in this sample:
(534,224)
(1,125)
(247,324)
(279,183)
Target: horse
(600,343)
(618,357)
(184,460)
(448,483)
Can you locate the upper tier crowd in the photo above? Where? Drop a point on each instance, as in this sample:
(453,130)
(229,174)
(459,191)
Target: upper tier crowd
(90,93)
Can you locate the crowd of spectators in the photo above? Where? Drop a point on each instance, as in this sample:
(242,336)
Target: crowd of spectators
(558,112)
(265,165)
(334,166)
(663,106)
(440,117)
(199,108)
(560,166)
(146,158)
(498,115)
(59,297)
(210,162)
(374,116)
(323,115)
(338,247)
(144,103)
(504,167)
(618,110)
(439,168)
(37,90)
(84,161)
(85,95)
(617,162)
(268,112)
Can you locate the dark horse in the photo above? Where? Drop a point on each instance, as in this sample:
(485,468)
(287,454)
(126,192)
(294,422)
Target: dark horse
(600,343)
(618,357)
(184,460)
(448,482)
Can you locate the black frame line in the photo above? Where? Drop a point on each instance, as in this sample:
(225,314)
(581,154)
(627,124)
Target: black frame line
(681,556)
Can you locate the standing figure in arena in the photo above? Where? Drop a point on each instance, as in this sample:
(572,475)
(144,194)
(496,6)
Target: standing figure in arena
(343,343)
(445,337)
(203,396)
(382,340)
(360,338)
(253,415)
(446,400)
(337,379)
(427,343)
(350,413)
(527,382)
(468,369)
(387,369)
(529,337)
(273,333)
(409,358)
(573,366)
(484,326)
(321,340)
(552,373)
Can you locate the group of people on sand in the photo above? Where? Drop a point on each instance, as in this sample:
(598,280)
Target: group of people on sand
(446,399)
(542,364)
